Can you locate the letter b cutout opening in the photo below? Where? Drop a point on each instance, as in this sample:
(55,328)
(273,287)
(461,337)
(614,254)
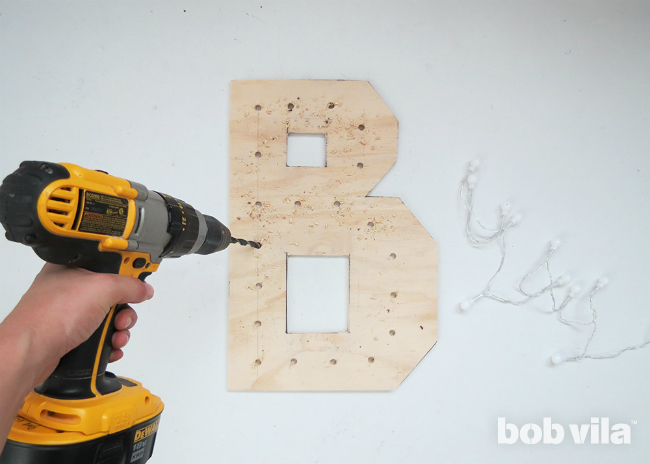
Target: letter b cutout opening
(311,211)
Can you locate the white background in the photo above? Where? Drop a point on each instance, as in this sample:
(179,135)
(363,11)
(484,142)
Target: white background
(553,97)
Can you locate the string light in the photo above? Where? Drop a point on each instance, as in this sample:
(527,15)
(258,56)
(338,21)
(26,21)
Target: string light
(485,236)
(505,223)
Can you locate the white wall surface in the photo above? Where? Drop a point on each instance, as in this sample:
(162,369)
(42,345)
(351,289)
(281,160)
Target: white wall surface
(553,97)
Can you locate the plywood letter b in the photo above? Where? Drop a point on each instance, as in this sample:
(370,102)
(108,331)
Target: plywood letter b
(312,211)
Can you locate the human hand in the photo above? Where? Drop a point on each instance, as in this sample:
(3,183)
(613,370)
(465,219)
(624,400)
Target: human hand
(64,306)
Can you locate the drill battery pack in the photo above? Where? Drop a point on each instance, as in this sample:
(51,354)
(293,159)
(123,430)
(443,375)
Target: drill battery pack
(116,428)
(133,445)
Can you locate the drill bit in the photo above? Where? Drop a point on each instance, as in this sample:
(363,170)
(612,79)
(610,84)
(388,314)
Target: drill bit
(243,242)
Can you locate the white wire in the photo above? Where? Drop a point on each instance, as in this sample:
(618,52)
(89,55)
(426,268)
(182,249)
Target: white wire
(584,354)
(500,232)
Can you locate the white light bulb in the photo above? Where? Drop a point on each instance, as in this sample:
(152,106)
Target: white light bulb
(505,208)
(555,244)
(474,164)
(563,280)
(516,219)
(471,181)
(575,290)
(466,304)
(602,282)
(558,358)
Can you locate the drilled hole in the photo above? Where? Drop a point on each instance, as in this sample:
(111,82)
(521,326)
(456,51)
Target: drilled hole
(332,361)
(258,108)
(290,106)
(294,361)
(258,285)
(371,360)
(392,256)
(360,165)
(331,105)
(258,362)
(361,127)
(371,225)
(258,154)
(258,323)
(391,333)
(297,204)
(258,204)
(337,204)
(393,295)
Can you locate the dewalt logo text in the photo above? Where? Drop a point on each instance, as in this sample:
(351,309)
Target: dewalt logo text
(146,431)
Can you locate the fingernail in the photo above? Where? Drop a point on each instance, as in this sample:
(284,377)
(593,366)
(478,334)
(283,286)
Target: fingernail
(128,322)
(149,290)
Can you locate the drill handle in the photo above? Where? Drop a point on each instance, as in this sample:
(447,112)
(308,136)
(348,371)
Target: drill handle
(81,373)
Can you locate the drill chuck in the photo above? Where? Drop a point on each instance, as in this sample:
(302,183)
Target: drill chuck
(193,232)
(217,237)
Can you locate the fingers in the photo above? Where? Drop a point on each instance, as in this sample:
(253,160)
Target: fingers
(121,338)
(123,289)
(116,355)
(126,318)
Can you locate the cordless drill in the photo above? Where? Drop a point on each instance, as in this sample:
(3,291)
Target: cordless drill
(78,217)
